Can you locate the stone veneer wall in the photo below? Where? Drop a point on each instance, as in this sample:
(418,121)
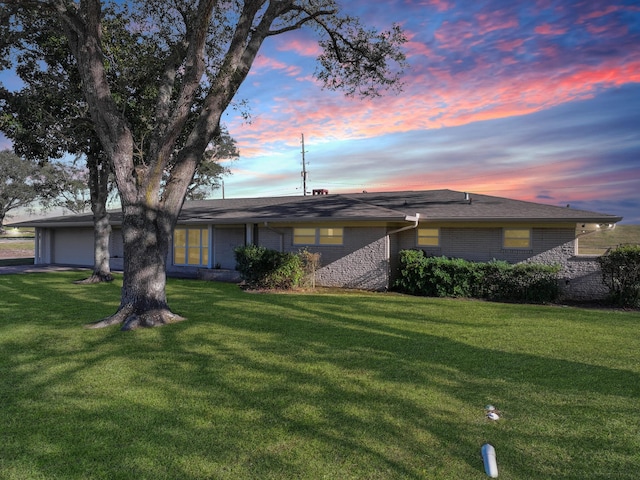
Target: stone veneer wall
(583,280)
(580,278)
(365,268)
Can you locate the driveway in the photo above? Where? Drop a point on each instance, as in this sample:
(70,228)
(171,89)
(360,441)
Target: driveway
(38,269)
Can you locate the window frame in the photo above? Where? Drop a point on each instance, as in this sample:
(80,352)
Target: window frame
(322,236)
(203,247)
(428,245)
(506,238)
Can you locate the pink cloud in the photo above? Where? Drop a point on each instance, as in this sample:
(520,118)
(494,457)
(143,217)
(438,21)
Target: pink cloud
(600,29)
(303,47)
(262,62)
(438,5)
(447,102)
(598,13)
(548,29)
(509,45)
(454,36)
(471,85)
(416,47)
(490,22)
(522,180)
(609,74)
(413,49)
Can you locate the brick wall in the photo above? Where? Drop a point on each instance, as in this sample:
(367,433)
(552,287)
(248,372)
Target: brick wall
(360,262)
(580,278)
(583,280)
(367,267)
(367,255)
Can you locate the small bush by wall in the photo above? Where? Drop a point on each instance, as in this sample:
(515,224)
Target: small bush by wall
(497,280)
(261,267)
(523,282)
(621,274)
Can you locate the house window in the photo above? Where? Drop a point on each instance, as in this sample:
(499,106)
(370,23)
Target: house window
(191,246)
(318,236)
(517,238)
(428,237)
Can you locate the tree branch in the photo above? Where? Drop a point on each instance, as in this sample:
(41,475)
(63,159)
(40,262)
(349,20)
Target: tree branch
(310,17)
(192,49)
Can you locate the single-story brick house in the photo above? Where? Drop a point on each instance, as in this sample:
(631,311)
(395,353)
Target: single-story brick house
(358,236)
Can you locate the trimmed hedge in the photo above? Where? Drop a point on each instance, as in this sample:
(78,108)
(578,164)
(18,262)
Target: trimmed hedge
(496,280)
(261,267)
(621,274)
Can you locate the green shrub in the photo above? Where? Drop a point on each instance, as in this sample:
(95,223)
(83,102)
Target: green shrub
(261,267)
(523,282)
(621,274)
(496,280)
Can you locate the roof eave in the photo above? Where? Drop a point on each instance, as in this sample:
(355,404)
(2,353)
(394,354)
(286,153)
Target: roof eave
(521,219)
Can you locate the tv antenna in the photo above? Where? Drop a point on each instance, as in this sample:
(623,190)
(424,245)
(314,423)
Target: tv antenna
(304,169)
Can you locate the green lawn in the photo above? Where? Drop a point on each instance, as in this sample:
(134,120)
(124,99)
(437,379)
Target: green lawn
(312,386)
(12,232)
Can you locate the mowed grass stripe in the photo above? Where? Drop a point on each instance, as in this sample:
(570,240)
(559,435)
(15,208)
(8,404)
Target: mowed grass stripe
(311,385)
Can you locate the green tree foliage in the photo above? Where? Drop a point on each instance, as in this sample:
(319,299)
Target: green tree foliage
(23,182)
(49,116)
(621,274)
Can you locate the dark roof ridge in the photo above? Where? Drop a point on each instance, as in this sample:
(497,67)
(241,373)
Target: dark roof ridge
(437,205)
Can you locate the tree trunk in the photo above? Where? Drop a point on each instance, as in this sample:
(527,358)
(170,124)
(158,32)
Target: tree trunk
(3,215)
(150,202)
(147,234)
(101,257)
(99,172)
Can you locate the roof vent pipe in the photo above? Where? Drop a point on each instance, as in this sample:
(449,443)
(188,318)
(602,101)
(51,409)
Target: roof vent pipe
(466,196)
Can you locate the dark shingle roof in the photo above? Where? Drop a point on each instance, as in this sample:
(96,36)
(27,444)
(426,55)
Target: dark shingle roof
(438,205)
(449,205)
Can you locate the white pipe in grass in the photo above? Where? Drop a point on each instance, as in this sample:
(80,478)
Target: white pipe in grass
(489,459)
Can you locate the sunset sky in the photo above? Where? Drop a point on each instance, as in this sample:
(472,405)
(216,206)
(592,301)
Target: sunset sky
(535,100)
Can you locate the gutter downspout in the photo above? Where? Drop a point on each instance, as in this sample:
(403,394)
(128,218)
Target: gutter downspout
(415,220)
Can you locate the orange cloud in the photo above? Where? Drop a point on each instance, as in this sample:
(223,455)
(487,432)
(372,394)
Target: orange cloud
(525,181)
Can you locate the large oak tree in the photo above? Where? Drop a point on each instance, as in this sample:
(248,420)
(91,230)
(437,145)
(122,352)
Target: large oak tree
(49,118)
(194,55)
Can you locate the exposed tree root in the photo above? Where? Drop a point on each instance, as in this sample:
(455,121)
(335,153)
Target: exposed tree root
(96,277)
(131,320)
(119,317)
(152,318)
